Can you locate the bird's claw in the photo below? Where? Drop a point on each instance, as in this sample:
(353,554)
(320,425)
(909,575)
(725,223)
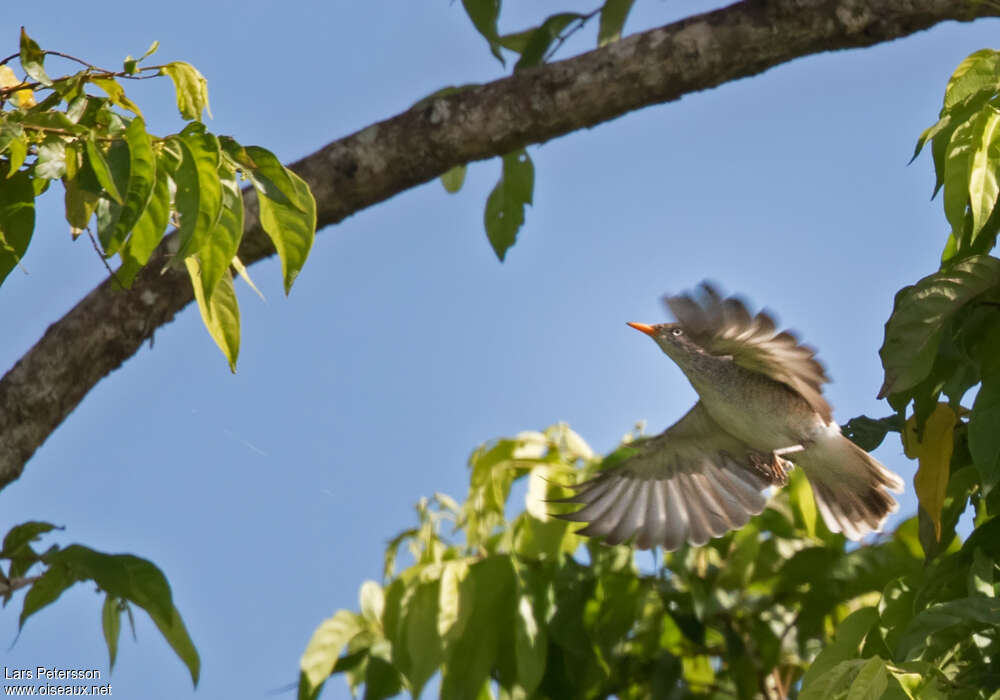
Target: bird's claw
(772,467)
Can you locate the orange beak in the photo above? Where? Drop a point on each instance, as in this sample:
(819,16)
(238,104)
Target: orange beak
(648,330)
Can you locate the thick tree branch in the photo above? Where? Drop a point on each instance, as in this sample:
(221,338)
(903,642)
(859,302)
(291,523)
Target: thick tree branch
(660,65)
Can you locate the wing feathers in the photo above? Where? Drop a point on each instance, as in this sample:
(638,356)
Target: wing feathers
(598,504)
(726,327)
(690,483)
(634,518)
(677,521)
(655,530)
(693,504)
(743,486)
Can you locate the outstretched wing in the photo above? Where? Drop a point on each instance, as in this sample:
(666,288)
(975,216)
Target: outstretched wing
(725,327)
(692,482)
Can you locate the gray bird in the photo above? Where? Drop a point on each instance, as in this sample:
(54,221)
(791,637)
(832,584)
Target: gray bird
(760,401)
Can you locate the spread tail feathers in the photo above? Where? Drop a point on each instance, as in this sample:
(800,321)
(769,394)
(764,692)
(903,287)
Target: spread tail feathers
(849,485)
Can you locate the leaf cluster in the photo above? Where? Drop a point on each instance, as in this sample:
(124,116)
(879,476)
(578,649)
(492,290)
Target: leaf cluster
(126,581)
(518,606)
(135,185)
(943,338)
(504,212)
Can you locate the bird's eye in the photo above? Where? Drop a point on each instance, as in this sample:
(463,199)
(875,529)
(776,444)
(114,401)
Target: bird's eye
(677,331)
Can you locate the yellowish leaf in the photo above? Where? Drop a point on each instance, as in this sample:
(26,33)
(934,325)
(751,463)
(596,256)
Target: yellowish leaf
(21,98)
(117,94)
(933,451)
(221,313)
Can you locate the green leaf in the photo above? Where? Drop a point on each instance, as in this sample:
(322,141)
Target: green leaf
(72,164)
(982,574)
(170,156)
(542,38)
(107,216)
(53,120)
(913,332)
(287,212)
(613,16)
(111,625)
(324,648)
(242,271)
(221,315)
(70,89)
(117,94)
(382,680)
(150,51)
(17,220)
(198,199)
(454,179)
(77,108)
(80,204)
(871,681)
(123,575)
(152,222)
(102,170)
(18,150)
(896,609)
(844,647)
(8,134)
(832,682)
(487,594)
(191,87)
(47,589)
(868,433)
(51,161)
(274,179)
(220,249)
(237,153)
(940,626)
(985,161)
(421,648)
(962,484)
(504,213)
(977,74)
(449,610)
(372,601)
(517,41)
(698,671)
(32,58)
(957,167)
(530,644)
(130,64)
(801,496)
(17,539)
(172,628)
(43,109)
(984,438)
(484,15)
(141,180)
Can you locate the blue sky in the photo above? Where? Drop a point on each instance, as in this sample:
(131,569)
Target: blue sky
(267,497)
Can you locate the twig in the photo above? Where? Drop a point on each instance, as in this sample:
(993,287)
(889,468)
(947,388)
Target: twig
(104,260)
(570,31)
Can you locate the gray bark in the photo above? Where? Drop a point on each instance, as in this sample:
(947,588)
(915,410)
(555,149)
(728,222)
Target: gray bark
(533,106)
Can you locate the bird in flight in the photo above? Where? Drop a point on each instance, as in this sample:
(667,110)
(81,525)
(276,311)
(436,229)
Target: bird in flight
(760,406)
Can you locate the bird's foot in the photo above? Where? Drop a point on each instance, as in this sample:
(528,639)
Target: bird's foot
(772,467)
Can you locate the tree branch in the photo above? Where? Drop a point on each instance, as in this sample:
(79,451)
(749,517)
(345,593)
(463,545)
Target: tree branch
(533,106)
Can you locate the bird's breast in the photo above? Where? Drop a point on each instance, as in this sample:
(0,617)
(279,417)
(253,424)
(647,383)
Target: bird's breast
(751,406)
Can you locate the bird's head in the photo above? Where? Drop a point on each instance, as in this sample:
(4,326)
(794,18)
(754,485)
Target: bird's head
(672,338)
